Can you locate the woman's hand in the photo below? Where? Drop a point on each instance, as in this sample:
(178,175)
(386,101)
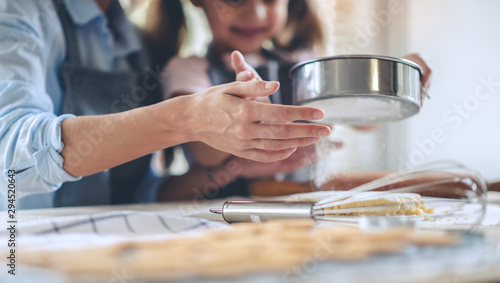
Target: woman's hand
(424,62)
(206,155)
(263,132)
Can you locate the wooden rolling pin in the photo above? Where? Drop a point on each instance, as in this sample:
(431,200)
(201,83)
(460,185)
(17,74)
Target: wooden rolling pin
(347,181)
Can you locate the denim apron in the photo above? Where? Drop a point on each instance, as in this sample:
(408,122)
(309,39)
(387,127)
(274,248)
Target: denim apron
(275,70)
(89,91)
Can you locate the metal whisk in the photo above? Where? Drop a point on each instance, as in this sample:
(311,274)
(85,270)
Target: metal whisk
(451,189)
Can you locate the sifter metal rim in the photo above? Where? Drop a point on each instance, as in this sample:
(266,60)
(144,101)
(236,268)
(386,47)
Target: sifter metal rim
(357,56)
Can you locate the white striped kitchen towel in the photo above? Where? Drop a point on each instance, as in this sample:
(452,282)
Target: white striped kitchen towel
(118,223)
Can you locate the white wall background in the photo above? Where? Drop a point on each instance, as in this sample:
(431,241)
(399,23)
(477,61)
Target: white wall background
(462,38)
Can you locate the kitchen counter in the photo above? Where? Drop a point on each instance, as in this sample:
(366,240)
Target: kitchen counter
(491,234)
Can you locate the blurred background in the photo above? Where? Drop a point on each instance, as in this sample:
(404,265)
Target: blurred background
(459,122)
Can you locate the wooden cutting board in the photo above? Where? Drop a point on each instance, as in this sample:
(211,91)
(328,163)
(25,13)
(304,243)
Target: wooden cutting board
(347,181)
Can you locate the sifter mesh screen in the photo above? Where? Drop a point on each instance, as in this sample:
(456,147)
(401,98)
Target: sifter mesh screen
(364,109)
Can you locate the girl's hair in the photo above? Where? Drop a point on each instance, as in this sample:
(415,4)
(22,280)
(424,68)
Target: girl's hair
(164,30)
(303,28)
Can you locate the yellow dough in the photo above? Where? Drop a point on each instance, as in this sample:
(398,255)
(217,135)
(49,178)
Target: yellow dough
(377,203)
(274,246)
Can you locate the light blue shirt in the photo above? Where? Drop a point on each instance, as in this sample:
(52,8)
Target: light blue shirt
(32,50)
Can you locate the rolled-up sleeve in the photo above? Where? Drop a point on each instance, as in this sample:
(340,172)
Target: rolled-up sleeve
(30,132)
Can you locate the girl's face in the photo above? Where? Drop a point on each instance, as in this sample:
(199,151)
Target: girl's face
(244,24)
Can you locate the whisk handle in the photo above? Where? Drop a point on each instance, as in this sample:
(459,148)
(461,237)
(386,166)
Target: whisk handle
(259,211)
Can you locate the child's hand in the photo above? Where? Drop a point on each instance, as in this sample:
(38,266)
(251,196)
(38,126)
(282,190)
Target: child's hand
(300,158)
(245,73)
(252,169)
(424,62)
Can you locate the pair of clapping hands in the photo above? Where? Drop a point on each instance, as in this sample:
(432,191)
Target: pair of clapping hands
(299,156)
(262,132)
